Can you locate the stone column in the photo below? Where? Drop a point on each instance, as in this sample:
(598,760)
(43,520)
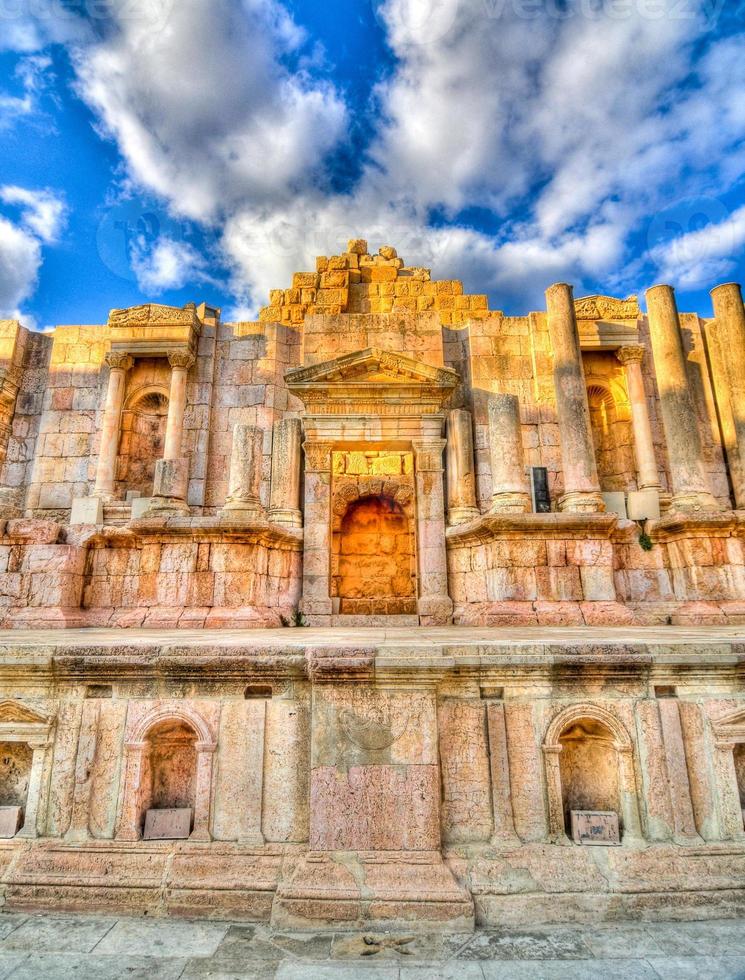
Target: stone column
(129,823)
(284,497)
(246,460)
(499,765)
(119,364)
(690,486)
(255,729)
(684,824)
(730,806)
(629,800)
(717,353)
(316,601)
(203,791)
(180,361)
(87,742)
(510,487)
(648,476)
(33,794)
(434,605)
(461,476)
(730,316)
(581,483)
(556,823)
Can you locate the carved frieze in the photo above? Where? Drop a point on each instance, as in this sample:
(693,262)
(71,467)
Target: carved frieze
(606,308)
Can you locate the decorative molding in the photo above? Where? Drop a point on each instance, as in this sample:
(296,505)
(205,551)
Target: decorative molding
(153,313)
(317,456)
(580,712)
(181,359)
(119,361)
(631,353)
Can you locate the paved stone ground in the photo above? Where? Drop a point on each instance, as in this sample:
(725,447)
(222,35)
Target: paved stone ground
(89,947)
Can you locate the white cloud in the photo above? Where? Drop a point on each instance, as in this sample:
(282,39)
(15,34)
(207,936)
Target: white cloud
(203,110)
(571,130)
(167,264)
(704,256)
(20,259)
(40,219)
(43,213)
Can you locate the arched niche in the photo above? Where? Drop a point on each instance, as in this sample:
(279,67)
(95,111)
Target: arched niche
(25,740)
(612,433)
(169,763)
(374,552)
(590,766)
(143,431)
(729,767)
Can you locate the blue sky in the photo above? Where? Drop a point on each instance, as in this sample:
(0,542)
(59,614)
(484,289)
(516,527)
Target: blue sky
(176,150)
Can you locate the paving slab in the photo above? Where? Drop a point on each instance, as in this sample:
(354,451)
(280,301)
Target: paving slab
(569,970)
(78,966)
(699,968)
(163,938)
(63,933)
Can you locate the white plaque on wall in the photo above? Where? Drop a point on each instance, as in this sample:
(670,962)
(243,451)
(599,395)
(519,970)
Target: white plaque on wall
(167,824)
(11,818)
(595,827)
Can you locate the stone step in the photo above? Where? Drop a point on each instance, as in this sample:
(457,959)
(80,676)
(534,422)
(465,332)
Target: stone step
(378,621)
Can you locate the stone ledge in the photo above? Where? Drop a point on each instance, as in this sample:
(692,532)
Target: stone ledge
(554,525)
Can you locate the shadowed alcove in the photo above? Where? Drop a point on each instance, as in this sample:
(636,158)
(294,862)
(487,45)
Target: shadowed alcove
(170,779)
(739,757)
(142,439)
(375,558)
(588,765)
(15,771)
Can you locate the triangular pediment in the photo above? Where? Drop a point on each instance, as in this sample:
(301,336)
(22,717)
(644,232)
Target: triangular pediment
(13,712)
(372,366)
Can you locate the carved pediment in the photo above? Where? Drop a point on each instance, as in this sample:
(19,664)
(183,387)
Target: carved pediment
(372,382)
(15,713)
(606,308)
(731,727)
(372,366)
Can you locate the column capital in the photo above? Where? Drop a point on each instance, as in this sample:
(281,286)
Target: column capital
(632,353)
(318,456)
(180,359)
(119,361)
(428,454)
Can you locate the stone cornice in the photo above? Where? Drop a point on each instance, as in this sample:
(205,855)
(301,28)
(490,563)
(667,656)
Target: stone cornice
(554,525)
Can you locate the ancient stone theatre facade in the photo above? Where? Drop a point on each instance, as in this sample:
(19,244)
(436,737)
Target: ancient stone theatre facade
(355,613)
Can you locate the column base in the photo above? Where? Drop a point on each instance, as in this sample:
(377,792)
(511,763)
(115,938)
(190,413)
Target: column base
(166,505)
(435,610)
(244,510)
(697,502)
(582,502)
(461,515)
(288,518)
(511,502)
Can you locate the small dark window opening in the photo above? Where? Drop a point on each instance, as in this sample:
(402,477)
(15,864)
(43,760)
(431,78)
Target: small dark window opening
(258,691)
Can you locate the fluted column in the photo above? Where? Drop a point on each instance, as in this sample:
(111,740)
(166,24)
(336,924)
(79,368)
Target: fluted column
(180,361)
(581,483)
(510,488)
(461,477)
(434,604)
(730,317)
(647,474)
(690,486)
(119,364)
(284,497)
(245,472)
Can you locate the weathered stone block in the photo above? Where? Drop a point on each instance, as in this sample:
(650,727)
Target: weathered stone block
(86,510)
